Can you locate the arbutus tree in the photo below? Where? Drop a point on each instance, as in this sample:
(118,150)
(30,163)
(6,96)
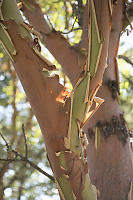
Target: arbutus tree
(85,128)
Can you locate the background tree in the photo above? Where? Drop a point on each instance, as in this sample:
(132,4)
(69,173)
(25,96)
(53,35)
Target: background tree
(107,174)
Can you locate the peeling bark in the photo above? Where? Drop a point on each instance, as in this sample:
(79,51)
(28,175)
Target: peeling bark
(42,97)
(107,168)
(104,28)
(56,43)
(29,69)
(111,167)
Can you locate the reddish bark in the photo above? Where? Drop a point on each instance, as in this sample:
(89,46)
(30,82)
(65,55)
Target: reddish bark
(52,116)
(30,73)
(56,43)
(111,167)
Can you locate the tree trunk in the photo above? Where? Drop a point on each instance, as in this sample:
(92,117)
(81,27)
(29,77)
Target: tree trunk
(69,168)
(108,152)
(109,161)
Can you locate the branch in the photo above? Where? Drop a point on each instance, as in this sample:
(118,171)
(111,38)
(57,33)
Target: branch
(28,126)
(72,29)
(7,145)
(111,44)
(66,15)
(126,59)
(29,162)
(46,89)
(117,21)
(103,26)
(20,189)
(23,159)
(55,42)
(28,123)
(84,39)
(14,115)
(128,15)
(25,141)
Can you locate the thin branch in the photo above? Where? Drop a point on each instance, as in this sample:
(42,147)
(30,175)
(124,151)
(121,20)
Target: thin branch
(126,59)
(9,160)
(66,15)
(14,91)
(20,191)
(65,33)
(28,126)
(29,162)
(24,159)
(72,29)
(25,141)
(7,145)
(32,186)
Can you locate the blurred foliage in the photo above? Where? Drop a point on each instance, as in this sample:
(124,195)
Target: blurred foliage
(126,86)
(20,181)
(62,15)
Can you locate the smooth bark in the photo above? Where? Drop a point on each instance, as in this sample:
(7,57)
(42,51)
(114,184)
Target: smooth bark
(111,168)
(113,160)
(105,167)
